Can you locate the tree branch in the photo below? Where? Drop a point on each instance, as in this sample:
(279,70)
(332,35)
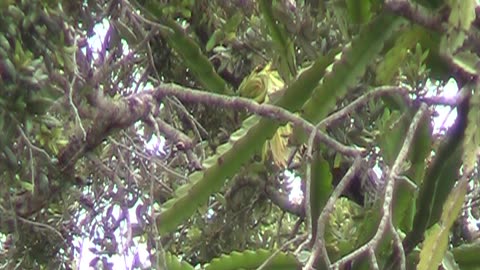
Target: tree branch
(417,13)
(281,200)
(114,115)
(350,108)
(237,103)
(319,250)
(386,220)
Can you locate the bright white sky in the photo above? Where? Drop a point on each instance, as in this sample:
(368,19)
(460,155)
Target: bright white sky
(445,119)
(120,262)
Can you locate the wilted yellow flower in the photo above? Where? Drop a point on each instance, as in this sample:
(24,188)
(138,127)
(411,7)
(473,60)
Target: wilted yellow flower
(256,86)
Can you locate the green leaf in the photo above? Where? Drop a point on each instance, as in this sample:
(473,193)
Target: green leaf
(173,263)
(226,32)
(249,140)
(233,22)
(467,254)
(349,67)
(453,204)
(195,59)
(126,32)
(471,142)
(39,104)
(282,43)
(214,39)
(449,262)
(243,144)
(202,184)
(439,179)
(389,141)
(404,204)
(252,259)
(433,249)
(436,243)
(393,59)
(466,61)
(359,10)
(392,131)
(189,52)
(320,189)
(462,14)
(26,185)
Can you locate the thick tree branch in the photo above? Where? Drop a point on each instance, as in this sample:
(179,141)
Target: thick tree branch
(124,113)
(417,13)
(267,110)
(436,20)
(111,115)
(182,141)
(115,115)
(281,200)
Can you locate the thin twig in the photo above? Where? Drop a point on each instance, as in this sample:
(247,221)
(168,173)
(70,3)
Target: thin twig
(32,169)
(319,244)
(389,191)
(377,92)
(373,259)
(197,127)
(133,11)
(70,91)
(45,226)
(31,145)
(397,241)
(141,155)
(274,254)
(319,247)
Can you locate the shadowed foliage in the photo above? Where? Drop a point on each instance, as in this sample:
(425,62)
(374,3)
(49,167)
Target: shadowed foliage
(149,134)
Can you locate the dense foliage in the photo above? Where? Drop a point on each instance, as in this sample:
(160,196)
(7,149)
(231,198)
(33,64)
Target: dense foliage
(173,138)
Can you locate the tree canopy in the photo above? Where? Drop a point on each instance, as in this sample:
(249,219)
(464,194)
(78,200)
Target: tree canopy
(175,136)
